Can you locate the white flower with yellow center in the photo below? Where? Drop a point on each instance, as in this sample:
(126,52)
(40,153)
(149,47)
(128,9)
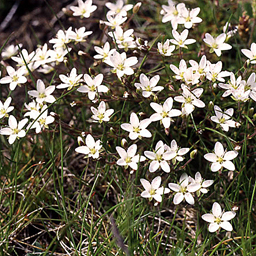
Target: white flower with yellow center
(91,149)
(219,218)
(217,44)
(183,190)
(224,118)
(5,108)
(121,64)
(190,99)
(153,189)
(164,113)
(100,114)
(93,86)
(129,157)
(70,80)
(118,8)
(148,86)
(14,78)
(84,9)
(15,130)
(181,39)
(220,158)
(250,54)
(137,128)
(43,94)
(159,158)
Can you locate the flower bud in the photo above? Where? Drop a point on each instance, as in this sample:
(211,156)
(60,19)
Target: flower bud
(80,140)
(210,105)
(251,111)
(193,154)
(136,8)
(124,143)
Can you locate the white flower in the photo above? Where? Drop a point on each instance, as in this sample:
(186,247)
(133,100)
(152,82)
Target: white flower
(159,158)
(58,54)
(93,86)
(25,59)
(84,9)
(214,72)
(221,158)
(232,83)
(219,218)
(250,54)
(164,112)
(91,149)
(200,67)
(15,77)
(4,108)
(203,184)
(189,17)
(165,49)
(118,8)
(190,99)
(62,38)
(178,152)
(33,109)
(42,56)
(172,13)
(10,51)
(153,190)
(79,34)
(129,157)
(114,21)
(137,128)
(241,93)
(41,93)
(183,190)
(42,120)
(181,39)
(69,81)
(124,40)
(223,118)
(104,52)
(179,71)
(147,86)
(191,77)
(121,64)
(14,130)
(217,44)
(101,114)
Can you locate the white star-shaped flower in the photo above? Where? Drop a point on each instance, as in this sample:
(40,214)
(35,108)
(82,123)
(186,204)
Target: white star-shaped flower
(159,157)
(224,118)
(219,218)
(190,99)
(129,157)
(220,158)
(41,93)
(164,112)
(148,86)
(181,39)
(153,189)
(101,114)
(93,86)
(217,44)
(15,129)
(137,128)
(91,149)
(84,9)
(183,190)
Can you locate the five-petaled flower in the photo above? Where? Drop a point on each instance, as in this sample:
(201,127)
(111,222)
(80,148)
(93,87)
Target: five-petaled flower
(219,218)
(221,158)
(92,148)
(137,128)
(153,189)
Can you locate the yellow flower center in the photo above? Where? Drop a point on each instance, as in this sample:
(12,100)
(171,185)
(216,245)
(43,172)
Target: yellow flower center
(121,67)
(136,129)
(15,131)
(218,220)
(42,95)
